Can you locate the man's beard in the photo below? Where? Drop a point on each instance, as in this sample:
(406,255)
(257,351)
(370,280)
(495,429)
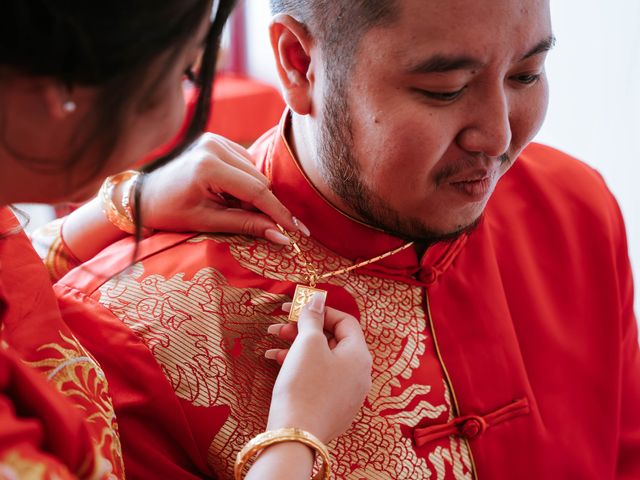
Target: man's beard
(340,169)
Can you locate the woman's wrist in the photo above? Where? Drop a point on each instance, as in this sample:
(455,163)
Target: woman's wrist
(286,413)
(117,195)
(103,220)
(87,231)
(271,462)
(283,461)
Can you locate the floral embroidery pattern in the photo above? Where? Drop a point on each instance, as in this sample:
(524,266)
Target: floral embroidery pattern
(14,466)
(76,374)
(208,337)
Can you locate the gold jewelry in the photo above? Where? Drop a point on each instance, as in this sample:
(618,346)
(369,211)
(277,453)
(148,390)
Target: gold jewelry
(115,217)
(123,221)
(69,106)
(128,194)
(54,251)
(271,437)
(303,293)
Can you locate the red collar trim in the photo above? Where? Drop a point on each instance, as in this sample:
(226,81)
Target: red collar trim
(338,231)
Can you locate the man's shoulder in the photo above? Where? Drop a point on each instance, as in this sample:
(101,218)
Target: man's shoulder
(163,254)
(551,193)
(551,179)
(557,168)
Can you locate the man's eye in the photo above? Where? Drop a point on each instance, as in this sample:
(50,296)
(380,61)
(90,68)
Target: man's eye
(527,79)
(441,96)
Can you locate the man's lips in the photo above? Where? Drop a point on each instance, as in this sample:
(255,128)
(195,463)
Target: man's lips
(472,176)
(476,185)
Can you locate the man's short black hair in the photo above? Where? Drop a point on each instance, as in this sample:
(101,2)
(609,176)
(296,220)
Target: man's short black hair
(338,25)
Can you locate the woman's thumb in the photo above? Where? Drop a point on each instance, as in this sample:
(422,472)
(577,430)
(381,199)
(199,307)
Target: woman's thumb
(312,315)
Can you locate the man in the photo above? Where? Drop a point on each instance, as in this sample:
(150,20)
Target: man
(503,338)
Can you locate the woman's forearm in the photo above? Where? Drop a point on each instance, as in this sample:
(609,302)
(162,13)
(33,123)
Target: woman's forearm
(87,231)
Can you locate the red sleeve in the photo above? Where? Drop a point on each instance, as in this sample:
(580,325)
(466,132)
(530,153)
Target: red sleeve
(629,448)
(153,429)
(42,436)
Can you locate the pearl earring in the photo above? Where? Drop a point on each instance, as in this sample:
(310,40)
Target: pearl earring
(69,106)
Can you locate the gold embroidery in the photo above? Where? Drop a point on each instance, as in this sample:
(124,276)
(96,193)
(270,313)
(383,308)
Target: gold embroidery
(53,250)
(457,455)
(76,374)
(14,466)
(208,336)
(192,328)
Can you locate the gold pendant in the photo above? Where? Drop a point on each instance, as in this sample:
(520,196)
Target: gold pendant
(301,297)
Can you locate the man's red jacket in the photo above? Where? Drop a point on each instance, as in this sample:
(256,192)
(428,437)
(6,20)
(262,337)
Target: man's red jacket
(508,353)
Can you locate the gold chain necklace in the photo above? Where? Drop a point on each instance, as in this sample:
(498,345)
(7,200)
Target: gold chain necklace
(304,293)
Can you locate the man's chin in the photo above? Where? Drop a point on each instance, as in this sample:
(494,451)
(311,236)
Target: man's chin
(423,233)
(454,233)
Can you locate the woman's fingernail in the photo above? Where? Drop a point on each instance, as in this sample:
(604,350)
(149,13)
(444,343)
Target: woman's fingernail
(301,227)
(274,329)
(316,304)
(286,307)
(276,237)
(271,354)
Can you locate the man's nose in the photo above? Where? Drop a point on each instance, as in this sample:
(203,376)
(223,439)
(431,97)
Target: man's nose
(488,127)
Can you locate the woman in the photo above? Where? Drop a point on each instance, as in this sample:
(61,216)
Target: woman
(85,90)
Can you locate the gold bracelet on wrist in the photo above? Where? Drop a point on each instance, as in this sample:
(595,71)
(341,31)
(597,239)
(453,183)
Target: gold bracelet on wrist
(123,219)
(128,196)
(272,437)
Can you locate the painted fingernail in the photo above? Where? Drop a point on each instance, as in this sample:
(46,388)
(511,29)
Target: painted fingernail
(271,354)
(274,329)
(316,304)
(286,307)
(301,227)
(276,237)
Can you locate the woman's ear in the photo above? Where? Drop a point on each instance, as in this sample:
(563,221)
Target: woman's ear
(292,49)
(58,100)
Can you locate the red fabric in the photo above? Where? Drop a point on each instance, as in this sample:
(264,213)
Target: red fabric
(157,442)
(38,423)
(471,426)
(236,54)
(242,109)
(41,435)
(530,330)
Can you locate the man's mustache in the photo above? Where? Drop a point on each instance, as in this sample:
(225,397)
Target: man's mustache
(469,163)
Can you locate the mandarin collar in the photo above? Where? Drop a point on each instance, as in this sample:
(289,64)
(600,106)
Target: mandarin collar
(341,233)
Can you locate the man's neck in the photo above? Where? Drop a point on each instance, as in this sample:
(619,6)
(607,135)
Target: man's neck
(301,136)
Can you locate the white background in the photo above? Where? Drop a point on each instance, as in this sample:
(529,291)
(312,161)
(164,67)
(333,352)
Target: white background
(594,73)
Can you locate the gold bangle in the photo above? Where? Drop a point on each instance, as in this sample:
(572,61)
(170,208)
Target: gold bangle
(123,218)
(115,217)
(266,439)
(128,196)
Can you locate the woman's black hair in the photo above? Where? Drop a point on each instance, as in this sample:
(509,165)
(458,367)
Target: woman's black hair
(201,112)
(109,45)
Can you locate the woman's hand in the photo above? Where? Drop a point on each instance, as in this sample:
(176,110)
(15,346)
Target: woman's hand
(215,187)
(325,376)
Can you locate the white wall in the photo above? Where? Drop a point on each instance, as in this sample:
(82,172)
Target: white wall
(594,73)
(594,112)
(259,56)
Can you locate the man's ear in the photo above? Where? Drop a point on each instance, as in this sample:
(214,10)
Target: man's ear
(292,46)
